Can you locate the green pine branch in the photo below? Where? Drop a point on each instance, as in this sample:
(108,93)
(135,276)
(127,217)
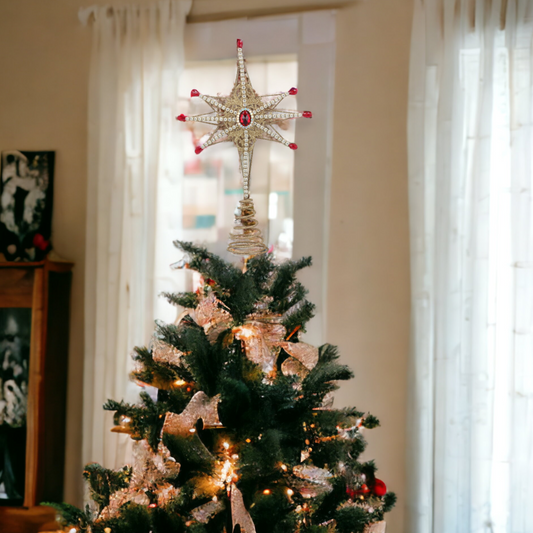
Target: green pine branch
(159,375)
(298,315)
(189,300)
(103,482)
(146,419)
(71,515)
(284,282)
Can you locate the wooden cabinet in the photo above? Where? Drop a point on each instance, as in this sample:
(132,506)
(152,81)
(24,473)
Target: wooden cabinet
(34,336)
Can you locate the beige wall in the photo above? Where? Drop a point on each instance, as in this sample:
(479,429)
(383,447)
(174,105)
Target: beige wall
(368,298)
(44,58)
(44,53)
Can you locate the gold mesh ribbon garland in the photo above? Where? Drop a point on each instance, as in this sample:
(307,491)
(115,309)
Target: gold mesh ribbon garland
(260,339)
(239,514)
(150,474)
(200,407)
(210,316)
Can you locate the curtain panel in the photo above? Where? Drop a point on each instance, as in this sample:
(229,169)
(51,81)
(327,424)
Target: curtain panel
(136,61)
(471,221)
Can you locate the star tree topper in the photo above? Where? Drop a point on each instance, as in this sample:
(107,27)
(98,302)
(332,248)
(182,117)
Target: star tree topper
(243,117)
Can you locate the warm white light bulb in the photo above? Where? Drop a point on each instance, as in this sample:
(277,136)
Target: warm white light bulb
(246,333)
(226,445)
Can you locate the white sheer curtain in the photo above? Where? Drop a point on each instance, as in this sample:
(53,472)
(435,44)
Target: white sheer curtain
(137,57)
(470,181)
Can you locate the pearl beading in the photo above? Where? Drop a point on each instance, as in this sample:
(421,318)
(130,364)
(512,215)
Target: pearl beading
(242,74)
(280,115)
(273,134)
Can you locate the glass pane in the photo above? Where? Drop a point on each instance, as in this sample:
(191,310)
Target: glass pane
(212,183)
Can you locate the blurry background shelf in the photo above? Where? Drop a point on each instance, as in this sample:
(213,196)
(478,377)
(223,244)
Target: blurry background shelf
(44,287)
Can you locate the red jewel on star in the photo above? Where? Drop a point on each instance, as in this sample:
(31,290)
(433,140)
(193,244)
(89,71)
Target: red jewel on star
(198,150)
(239,43)
(245,118)
(194,93)
(307,114)
(181,117)
(293,91)
(293,146)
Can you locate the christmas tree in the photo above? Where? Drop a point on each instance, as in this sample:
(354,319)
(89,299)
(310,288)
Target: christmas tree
(242,436)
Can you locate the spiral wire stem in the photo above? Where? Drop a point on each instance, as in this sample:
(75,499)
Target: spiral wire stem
(246,238)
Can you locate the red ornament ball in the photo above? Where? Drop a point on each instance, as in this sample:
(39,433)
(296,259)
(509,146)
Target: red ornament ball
(356,493)
(380,489)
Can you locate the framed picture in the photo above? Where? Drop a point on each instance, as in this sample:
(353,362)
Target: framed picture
(26,194)
(15,339)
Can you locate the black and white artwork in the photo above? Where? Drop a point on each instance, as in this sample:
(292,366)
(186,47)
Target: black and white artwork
(26,193)
(15,332)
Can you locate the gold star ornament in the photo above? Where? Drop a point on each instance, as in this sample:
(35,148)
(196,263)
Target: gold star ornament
(243,117)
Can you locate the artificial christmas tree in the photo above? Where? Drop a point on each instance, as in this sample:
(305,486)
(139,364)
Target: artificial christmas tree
(242,436)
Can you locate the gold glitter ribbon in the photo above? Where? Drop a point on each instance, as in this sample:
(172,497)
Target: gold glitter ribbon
(239,513)
(261,340)
(210,316)
(165,353)
(200,407)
